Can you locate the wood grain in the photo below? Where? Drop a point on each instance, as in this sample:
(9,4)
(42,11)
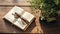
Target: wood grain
(14,2)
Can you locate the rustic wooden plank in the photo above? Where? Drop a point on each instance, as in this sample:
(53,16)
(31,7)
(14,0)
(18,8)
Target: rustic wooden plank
(16,5)
(14,2)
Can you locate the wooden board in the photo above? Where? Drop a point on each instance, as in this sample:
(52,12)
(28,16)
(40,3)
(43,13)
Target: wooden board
(35,27)
(14,2)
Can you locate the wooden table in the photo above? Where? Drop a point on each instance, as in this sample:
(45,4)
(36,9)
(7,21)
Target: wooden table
(35,27)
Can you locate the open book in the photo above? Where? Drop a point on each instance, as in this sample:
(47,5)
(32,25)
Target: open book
(19,17)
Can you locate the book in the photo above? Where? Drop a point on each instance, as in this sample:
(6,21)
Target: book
(19,17)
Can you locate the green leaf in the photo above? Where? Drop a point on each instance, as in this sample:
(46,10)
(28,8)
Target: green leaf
(48,7)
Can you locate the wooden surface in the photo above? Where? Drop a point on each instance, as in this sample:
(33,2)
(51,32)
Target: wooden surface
(35,27)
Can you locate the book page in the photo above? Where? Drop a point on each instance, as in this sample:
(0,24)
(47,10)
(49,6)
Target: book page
(20,24)
(10,16)
(19,11)
(27,16)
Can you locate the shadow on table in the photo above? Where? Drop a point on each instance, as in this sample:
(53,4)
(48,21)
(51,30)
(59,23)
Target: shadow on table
(13,29)
(51,28)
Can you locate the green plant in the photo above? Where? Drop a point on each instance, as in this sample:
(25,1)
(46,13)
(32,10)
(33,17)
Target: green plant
(50,8)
